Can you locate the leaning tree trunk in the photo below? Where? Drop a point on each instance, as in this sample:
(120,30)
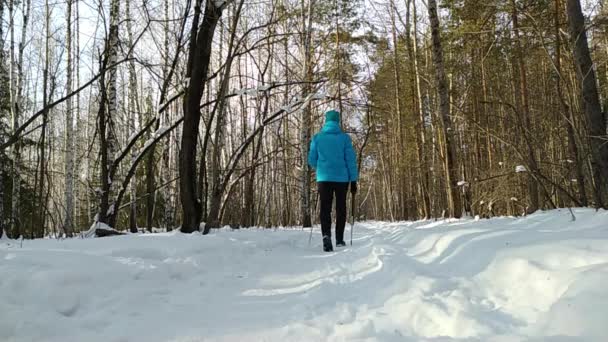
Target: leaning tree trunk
(596,121)
(198,65)
(451,168)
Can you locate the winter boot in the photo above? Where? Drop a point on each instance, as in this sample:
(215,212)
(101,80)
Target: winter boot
(327,247)
(340,243)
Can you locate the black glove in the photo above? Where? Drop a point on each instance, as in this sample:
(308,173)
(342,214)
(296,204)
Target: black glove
(353,187)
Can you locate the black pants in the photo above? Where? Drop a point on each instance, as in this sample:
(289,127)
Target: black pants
(326,192)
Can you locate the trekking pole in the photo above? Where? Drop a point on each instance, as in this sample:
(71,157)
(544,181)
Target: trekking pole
(352,211)
(310,236)
(311,226)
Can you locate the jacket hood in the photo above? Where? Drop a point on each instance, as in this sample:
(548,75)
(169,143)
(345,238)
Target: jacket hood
(332,115)
(332,127)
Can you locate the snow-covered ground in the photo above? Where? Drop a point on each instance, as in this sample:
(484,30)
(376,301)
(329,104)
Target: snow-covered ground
(541,277)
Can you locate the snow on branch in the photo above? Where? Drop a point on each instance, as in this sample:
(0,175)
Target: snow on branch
(293,107)
(266,88)
(100,229)
(252,91)
(162,131)
(520,168)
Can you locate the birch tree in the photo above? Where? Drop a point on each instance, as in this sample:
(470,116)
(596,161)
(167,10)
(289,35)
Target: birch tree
(108,110)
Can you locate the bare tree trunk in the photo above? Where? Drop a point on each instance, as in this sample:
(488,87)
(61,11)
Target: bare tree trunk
(524,110)
(167,192)
(82,127)
(133,107)
(305,129)
(249,188)
(338,58)
(20,100)
(41,202)
(412,47)
(401,166)
(286,138)
(596,120)
(68,225)
(14,107)
(217,184)
(568,118)
(200,54)
(451,168)
(104,191)
(150,184)
(249,215)
(113,41)
(106,120)
(4,86)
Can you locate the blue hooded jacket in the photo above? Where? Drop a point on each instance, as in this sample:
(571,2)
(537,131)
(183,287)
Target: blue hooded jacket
(332,154)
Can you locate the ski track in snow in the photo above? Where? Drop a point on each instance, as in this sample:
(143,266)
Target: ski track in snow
(537,278)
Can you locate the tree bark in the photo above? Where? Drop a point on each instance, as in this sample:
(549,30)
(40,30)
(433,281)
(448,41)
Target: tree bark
(305,128)
(200,55)
(167,192)
(596,120)
(150,183)
(567,116)
(14,108)
(106,120)
(218,185)
(412,47)
(4,87)
(104,192)
(68,225)
(133,107)
(40,202)
(524,113)
(401,165)
(447,132)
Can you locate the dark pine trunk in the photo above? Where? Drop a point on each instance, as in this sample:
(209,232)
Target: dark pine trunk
(200,54)
(596,121)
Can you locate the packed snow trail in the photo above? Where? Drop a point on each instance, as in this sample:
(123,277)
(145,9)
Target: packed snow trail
(542,277)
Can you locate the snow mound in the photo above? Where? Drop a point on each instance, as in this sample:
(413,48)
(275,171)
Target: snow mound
(541,277)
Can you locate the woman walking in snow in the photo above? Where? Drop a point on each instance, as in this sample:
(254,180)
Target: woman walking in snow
(333,157)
